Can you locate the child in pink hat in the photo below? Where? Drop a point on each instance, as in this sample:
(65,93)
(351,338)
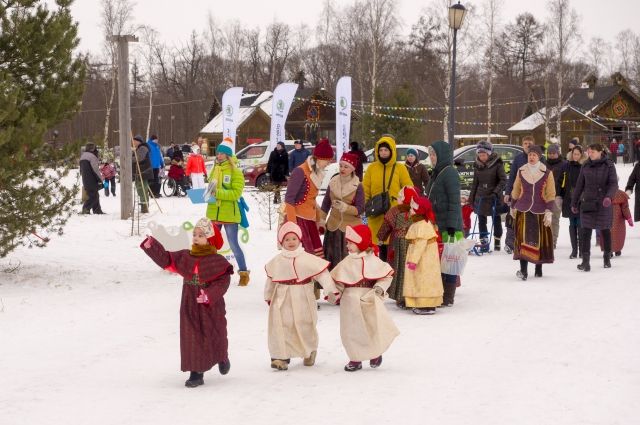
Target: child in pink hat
(292,304)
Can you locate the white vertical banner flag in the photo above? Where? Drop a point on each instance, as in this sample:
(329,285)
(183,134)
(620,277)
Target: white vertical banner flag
(230,110)
(343,115)
(280,103)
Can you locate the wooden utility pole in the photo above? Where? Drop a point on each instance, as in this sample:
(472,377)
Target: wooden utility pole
(124,124)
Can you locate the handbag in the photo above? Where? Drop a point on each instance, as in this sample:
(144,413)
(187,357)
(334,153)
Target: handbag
(380,203)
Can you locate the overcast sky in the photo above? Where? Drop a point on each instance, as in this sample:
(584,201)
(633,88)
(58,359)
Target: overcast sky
(176,19)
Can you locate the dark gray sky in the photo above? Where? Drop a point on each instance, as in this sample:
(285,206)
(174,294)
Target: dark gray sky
(176,19)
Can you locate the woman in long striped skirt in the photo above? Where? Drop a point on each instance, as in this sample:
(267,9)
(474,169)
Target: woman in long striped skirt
(533,194)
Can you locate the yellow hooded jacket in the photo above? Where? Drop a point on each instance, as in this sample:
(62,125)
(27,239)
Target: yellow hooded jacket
(373,184)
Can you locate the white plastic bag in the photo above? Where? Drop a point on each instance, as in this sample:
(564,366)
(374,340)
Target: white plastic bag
(454,258)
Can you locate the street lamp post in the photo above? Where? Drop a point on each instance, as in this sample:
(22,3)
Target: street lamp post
(456,16)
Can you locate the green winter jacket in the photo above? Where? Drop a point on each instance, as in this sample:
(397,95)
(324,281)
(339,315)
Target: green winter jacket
(444,189)
(229,190)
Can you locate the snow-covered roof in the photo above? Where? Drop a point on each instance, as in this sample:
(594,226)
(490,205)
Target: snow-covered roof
(263,101)
(479,136)
(538,118)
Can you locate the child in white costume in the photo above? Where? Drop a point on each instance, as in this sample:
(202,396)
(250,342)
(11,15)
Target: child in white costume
(292,303)
(366,329)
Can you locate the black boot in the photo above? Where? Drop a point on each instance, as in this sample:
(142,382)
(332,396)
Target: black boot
(573,235)
(522,273)
(224,367)
(538,270)
(195,380)
(585,266)
(496,244)
(607,259)
(449,286)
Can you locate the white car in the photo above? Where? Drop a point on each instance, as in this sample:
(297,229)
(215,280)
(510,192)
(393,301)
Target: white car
(256,154)
(401,156)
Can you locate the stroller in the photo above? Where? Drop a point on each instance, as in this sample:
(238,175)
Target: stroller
(483,243)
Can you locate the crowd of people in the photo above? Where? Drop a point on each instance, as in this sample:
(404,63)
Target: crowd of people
(381,235)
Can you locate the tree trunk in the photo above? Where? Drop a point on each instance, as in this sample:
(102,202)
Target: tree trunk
(150,112)
(107,118)
(374,77)
(558,114)
(489,102)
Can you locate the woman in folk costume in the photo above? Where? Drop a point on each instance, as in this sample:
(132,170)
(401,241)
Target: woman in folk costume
(343,204)
(292,306)
(302,190)
(366,328)
(395,226)
(533,197)
(300,200)
(226,184)
(423,288)
(206,276)
(621,216)
(196,169)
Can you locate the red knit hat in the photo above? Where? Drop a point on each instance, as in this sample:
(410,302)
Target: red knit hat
(323,150)
(406,195)
(211,232)
(422,206)
(351,159)
(361,236)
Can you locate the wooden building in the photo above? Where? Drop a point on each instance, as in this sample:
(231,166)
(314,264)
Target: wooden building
(591,113)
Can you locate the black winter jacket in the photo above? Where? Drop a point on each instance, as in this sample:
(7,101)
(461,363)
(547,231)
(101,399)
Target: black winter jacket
(597,180)
(90,171)
(489,180)
(142,154)
(278,166)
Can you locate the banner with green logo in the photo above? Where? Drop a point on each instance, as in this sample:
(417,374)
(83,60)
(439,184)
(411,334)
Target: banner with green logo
(280,104)
(343,115)
(230,111)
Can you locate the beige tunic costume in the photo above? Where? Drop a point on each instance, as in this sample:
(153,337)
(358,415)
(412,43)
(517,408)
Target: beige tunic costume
(293,312)
(422,286)
(366,328)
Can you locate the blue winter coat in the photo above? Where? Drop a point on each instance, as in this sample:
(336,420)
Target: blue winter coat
(297,157)
(157,161)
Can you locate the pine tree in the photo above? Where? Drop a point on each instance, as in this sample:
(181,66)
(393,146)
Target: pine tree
(41,81)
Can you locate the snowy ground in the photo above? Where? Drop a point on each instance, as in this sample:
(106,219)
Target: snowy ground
(89,335)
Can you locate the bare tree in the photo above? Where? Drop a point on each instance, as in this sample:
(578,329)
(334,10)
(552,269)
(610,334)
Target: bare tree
(116,19)
(326,23)
(235,43)
(563,26)
(150,45)
(491,16)
(380,19)
(598,56)
(277,48)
